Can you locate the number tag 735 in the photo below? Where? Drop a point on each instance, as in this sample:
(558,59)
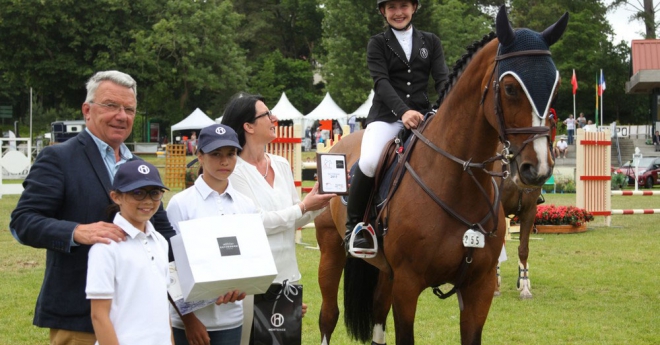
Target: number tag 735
(473,239)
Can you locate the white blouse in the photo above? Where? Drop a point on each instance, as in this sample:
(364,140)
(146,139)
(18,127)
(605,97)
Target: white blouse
(279,209)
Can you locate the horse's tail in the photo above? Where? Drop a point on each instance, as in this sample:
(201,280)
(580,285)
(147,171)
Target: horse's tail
(360,279)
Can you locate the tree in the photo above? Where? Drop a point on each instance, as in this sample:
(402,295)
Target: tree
(279,74)
(290,26)
(191,56)
(644,11)
(55,46)
(347,27)
(458,25)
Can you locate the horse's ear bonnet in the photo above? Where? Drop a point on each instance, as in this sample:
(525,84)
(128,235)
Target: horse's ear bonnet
(537,74)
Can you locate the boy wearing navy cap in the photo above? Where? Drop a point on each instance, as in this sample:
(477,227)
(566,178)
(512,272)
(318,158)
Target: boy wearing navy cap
(212,195)
(127,281)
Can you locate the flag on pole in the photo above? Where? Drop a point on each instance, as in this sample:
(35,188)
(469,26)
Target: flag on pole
(601,83)
(574,83)
(597,91)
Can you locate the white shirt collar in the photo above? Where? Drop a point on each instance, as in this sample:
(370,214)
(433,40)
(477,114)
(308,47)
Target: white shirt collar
(129,229)
(205,190)
(405,40)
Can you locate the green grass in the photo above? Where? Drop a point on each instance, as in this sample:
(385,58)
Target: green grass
(597,287)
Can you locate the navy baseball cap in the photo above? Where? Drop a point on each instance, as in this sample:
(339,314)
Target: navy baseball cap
(216,136)
(136,174)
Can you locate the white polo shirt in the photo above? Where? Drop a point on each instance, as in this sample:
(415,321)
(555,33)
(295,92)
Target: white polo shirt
(134,274)
(201,201)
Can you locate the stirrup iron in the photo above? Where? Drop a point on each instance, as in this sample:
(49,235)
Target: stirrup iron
(363,253)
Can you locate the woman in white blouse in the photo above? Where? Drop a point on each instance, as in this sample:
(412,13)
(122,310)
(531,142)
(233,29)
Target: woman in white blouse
(268,180)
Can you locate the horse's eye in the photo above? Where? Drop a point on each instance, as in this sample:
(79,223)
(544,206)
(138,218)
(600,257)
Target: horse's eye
(510,90)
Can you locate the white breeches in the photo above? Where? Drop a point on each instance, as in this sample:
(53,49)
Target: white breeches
(377,134)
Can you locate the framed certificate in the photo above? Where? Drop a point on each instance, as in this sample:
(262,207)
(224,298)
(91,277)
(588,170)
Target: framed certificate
(331,172)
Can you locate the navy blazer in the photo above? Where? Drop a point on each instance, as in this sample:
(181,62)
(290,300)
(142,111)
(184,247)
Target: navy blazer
(68,185)
(399,84)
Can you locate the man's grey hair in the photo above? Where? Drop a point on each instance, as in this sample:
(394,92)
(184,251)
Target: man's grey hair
(119,78)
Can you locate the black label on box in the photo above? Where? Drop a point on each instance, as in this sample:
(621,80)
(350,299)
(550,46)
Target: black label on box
(228,246)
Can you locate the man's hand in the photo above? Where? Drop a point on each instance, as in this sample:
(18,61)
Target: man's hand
(99,232)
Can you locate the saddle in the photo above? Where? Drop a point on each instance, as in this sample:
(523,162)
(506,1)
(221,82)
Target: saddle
(388,175)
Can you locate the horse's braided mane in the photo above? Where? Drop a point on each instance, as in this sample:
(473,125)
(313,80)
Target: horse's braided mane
(462,63)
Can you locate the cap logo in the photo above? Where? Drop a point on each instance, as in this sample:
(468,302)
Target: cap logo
(220,131)
(143,169)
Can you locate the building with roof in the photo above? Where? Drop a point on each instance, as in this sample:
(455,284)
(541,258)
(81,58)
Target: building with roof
(645,77)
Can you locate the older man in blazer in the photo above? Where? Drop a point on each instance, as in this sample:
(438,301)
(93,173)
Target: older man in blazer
(63,207)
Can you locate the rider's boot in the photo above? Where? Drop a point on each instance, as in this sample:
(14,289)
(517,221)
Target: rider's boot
(358,197)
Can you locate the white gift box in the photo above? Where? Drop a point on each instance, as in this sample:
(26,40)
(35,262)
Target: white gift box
(215,255)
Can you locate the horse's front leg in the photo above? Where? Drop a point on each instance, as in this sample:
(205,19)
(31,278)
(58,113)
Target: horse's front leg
(477,296)
(329,274)
(526,225)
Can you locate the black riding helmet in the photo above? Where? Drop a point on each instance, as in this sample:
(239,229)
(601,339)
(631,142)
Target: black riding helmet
(379,3)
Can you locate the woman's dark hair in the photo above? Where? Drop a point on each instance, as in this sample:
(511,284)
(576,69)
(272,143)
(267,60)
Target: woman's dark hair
(241,109)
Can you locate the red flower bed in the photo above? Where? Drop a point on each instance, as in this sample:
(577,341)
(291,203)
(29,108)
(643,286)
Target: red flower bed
(559,215)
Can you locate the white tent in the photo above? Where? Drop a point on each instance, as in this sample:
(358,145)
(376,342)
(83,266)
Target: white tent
(196,120)
(328,110)
(284,110)
(363,110)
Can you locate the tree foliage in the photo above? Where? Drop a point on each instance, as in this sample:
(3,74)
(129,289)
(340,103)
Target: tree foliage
(278,74)
(183,56)
(458,25)
(347,27)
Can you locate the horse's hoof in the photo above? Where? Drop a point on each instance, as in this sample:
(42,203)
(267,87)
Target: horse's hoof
(497,293)
(525,295)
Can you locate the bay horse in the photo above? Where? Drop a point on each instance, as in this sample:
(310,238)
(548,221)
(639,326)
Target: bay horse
(499,92)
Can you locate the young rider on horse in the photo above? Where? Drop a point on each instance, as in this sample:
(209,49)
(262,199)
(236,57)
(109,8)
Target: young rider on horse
(400,61)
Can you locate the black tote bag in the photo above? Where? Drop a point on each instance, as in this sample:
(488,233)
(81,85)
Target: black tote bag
(278,315)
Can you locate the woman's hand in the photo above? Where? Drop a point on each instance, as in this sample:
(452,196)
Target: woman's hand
(412,119)
(315,201)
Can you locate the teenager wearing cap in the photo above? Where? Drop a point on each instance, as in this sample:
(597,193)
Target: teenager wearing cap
(211,195)
(127,280)
(400,61)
